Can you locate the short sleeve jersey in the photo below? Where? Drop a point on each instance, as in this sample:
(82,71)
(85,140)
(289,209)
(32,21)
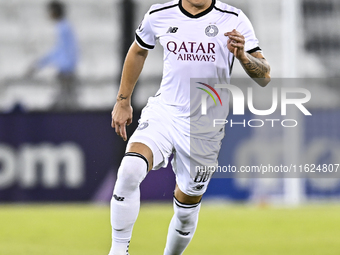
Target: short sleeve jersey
(194,46)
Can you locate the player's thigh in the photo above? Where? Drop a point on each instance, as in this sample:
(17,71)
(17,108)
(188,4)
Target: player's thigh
(142,149)
(190,165)
(153,132)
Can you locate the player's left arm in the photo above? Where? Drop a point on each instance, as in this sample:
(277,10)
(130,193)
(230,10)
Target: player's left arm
(255,64)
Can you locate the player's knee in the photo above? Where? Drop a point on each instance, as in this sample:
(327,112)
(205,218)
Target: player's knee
(132,170)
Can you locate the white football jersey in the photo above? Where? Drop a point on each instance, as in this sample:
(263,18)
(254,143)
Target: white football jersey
(194,47)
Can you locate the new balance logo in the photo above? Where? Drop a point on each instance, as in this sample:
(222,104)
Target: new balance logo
(182,233)
(198,187)
(118,198)
(172,30)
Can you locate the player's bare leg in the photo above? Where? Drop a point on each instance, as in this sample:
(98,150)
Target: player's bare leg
(125,202)
(184,198)
(184,222)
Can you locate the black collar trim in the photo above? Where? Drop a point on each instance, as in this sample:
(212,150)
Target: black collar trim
(199,14)
(164,8)
(225,11)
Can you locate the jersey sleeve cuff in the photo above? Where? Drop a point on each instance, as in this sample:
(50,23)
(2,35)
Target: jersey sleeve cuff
(254,50)
(143,45)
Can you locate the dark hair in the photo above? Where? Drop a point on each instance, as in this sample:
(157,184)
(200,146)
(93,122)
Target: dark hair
(57,8)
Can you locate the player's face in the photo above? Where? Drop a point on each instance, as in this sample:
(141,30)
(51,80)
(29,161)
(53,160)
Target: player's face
(51,14)
(199,3)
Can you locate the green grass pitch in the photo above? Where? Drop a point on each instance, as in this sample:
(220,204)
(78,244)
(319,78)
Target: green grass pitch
(222,229)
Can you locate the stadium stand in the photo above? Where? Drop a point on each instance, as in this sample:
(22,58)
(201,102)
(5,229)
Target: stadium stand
(26,32)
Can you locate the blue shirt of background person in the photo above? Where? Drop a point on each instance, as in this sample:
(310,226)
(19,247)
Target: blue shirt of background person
(64,55)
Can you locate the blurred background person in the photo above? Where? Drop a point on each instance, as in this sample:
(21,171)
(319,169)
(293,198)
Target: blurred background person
(63,56)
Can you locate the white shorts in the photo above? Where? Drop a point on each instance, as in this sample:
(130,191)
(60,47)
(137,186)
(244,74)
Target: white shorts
(157,131)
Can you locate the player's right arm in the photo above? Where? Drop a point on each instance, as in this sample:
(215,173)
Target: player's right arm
(122,110)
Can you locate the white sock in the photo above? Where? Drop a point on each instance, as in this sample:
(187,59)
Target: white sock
(125,202)
(182,227)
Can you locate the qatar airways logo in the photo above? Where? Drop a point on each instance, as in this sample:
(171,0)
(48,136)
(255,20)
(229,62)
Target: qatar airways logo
(239,102)
(193,51)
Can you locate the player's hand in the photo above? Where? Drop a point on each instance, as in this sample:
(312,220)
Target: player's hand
(121,117)
(236,44)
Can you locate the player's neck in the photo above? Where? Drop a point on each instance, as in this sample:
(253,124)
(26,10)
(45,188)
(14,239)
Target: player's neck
(194,7)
